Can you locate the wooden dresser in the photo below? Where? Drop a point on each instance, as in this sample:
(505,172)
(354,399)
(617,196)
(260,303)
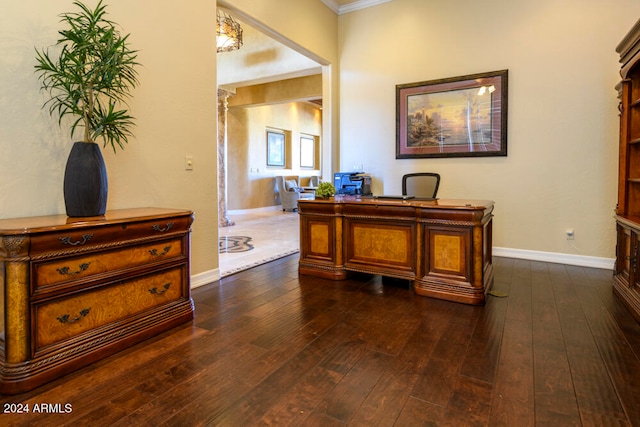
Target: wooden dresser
(626,274)
(75,290)
(442,246)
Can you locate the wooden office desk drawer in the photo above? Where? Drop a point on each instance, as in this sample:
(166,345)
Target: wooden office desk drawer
(380,210)
(381,246)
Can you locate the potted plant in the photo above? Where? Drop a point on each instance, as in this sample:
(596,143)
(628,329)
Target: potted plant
(325,190)
(90,81)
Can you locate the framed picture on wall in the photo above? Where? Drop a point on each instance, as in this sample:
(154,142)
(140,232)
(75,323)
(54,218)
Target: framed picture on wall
(307,151)
(275,149)
(454,117)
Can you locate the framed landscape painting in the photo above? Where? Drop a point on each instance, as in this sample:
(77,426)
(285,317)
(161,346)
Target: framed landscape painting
(462,116)
(275,149)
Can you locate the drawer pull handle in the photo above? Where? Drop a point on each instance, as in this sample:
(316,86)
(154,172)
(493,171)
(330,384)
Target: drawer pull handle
(85,239)
(65,318)
(161,229)
(165,250)
(164,289)
(65,270)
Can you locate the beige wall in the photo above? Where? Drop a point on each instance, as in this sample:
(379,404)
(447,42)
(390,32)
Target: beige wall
(250,180)
(310,28)
(561,167)
(308,24)
(295,89)
(175,109)
(260,59)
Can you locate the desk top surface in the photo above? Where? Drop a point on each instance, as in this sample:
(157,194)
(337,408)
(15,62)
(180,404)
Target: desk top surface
(467,204)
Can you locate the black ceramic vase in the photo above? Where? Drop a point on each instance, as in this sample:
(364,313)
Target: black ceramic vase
(85,181)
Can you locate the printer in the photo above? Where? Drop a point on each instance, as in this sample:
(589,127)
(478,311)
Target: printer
(352,183)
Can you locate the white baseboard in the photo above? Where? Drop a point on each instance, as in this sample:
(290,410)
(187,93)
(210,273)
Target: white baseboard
(558,258)
(205,278)
(254,211)
(211,276)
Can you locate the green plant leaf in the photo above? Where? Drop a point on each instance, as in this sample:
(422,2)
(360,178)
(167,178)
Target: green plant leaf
(325,189)
(92,77)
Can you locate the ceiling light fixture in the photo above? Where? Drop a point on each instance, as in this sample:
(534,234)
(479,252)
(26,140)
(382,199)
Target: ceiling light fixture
(228,32)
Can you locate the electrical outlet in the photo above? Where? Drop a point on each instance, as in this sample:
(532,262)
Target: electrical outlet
(570,233)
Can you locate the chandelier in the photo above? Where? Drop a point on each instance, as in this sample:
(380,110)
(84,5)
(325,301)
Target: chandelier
(228,32)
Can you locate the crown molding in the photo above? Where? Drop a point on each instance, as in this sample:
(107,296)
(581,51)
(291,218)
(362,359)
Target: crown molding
(360,4)
(357,5)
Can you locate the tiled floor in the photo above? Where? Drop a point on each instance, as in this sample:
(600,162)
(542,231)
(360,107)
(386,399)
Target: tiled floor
(257,238)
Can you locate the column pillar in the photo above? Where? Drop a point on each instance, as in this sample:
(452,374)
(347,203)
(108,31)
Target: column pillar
(223,220)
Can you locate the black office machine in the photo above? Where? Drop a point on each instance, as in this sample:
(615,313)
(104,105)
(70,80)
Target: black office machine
(352,183)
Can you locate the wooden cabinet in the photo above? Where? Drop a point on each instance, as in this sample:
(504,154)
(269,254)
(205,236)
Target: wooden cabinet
(626,274)
(443,246)
(75,290)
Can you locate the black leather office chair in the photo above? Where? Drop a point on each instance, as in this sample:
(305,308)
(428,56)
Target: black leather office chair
(423,185)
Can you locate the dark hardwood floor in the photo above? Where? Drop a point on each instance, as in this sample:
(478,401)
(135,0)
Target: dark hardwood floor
(270,348)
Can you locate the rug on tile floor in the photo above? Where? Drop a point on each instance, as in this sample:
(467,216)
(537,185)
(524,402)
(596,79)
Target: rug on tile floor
(257,263)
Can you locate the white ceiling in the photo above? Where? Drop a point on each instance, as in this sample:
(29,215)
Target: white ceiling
(261,60)
(345,6)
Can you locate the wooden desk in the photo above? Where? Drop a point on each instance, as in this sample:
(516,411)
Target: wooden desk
(75,290)
(443,246)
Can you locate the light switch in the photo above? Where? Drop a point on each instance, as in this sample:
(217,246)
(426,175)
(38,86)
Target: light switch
(188,163)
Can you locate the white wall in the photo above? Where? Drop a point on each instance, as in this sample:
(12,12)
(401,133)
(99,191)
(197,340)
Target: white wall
(562,139)
(175,107)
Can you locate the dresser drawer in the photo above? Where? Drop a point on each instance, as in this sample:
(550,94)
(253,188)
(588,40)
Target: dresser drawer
(66,318)
(49,273)
(83,238)
(76,290)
